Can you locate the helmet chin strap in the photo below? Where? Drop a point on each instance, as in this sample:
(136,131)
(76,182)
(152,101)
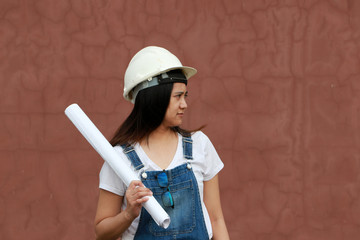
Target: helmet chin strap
(163,78)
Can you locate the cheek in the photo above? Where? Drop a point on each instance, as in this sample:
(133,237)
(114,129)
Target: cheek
(170,110)
(173,105)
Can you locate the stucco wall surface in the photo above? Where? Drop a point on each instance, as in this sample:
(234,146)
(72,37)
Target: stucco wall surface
(277,85)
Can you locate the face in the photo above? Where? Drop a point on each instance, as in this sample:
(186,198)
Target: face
(177,106)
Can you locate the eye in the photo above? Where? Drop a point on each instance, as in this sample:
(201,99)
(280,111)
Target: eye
(178,95)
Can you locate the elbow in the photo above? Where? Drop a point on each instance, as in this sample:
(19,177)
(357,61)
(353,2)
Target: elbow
(102,237)
(216,216)
(100,234)
(217,220)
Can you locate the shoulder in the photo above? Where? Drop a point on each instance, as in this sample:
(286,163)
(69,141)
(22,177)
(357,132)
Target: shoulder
(200,138)
(119,149)
(205,155)
(106,168)
(201,141)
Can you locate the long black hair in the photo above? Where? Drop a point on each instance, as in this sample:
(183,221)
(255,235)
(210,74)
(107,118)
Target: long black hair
(147,115)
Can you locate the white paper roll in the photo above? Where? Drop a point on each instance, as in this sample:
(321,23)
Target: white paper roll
(108,153)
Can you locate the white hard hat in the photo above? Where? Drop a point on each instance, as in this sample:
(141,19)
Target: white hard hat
(148,63)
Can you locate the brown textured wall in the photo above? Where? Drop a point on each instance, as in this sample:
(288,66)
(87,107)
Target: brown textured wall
(278,87)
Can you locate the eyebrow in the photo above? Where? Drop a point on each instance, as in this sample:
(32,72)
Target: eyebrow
(182,92)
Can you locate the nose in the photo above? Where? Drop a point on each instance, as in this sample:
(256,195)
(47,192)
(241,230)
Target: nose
(183,104)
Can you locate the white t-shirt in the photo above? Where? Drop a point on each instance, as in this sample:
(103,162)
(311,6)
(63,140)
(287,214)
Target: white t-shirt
(205,165)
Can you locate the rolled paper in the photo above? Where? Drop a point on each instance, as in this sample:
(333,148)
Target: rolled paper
(108,153)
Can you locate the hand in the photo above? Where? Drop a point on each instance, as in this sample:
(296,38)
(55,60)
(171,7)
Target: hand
(136,195)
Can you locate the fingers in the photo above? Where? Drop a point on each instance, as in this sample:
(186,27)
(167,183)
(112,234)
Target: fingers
(143,196)
(136,183)
(137,192)
(141,193)
(136,195)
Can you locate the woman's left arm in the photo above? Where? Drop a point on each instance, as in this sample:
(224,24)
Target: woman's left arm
(213,205)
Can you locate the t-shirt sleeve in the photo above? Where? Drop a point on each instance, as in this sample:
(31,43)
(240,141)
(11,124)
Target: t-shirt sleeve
(109,181)
(213,163)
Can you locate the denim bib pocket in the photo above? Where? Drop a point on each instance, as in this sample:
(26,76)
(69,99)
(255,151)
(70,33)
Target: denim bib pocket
(182,215)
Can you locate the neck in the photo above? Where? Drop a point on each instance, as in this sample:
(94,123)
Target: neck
(160,135)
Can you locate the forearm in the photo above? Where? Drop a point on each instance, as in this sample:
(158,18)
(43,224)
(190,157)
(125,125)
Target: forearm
(219,230)
(112,227)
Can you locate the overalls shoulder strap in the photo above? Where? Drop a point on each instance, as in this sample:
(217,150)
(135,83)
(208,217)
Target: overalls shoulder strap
(132,156)
(187,147)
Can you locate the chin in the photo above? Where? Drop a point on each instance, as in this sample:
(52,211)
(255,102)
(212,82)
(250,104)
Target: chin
(175,125)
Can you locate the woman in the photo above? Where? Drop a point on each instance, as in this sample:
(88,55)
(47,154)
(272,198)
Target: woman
(177,166)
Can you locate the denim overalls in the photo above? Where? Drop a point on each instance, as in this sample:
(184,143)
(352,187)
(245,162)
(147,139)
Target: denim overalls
(187,219)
